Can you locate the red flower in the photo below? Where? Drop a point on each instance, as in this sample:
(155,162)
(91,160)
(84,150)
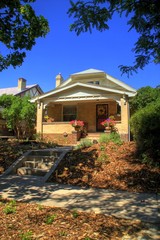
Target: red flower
(108,123)
(78,123)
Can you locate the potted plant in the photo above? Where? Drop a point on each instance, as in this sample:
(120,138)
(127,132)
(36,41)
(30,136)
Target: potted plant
(48,119)
(109,124)
(77,124)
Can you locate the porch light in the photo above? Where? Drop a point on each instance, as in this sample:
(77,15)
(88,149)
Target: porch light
(65,134)
(125,99)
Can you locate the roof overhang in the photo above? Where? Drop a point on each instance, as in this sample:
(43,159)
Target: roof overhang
(60,91)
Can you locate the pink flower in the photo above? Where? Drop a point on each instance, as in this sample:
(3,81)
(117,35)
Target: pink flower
(78,123)
(108,123)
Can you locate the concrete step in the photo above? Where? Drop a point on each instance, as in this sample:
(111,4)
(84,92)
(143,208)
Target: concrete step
(31,171)
(41,158)
(38,164)
(93,136)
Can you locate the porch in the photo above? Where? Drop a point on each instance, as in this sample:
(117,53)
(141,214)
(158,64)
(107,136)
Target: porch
(63,133)
(53,118)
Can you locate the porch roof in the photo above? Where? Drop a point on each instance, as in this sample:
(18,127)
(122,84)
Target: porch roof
(95,88)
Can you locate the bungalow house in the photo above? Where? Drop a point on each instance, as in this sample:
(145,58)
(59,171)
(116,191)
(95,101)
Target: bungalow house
(90,96)
(20,90)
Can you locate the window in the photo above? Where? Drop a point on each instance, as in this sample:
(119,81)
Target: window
(118,109)
(94,82)
(69,113)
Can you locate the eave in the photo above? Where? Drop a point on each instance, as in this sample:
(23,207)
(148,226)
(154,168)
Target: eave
(61,90)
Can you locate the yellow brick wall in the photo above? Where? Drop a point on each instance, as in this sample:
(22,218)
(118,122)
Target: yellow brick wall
(57,127)
(112,108)
(55,112)
(87,113)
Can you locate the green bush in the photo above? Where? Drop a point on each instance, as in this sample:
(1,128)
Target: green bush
(112,137)
(10,207)
(145,126)
(26,235)
(84,143)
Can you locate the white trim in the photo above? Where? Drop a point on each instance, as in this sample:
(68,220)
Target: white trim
(120,83)
(97,87)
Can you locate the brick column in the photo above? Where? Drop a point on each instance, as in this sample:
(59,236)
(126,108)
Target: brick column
(125,115)
(39,117)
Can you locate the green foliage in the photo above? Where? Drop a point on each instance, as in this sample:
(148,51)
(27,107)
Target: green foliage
(75,213)
(10,207)
(145,96)
(145,126)
(112,137)
(26,235)
(143,16)
(19,29)
(62,234)
(40,207)
(37,137)
(50,219)
(103,158)
(19,114)
(84,143)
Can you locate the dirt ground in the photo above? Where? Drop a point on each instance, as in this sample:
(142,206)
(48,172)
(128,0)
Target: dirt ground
(100,166)
(109,166)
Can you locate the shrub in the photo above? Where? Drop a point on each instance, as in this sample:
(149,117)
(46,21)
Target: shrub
(50,219)
(145,126)
(10,207)
(26,235)
(84,143)
(112,137)
(75,213)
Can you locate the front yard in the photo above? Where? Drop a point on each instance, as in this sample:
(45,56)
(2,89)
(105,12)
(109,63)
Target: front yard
(107,166)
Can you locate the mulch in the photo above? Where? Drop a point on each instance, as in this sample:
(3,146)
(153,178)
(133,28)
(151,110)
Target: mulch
(31,221)
(106,166)
(109,166)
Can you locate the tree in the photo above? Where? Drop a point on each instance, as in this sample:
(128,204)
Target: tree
(19,114)
(145,122)
(19,28)
(145,126)
(144,18)
(144,97)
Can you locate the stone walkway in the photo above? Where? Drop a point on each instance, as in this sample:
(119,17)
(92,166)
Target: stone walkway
(121,204)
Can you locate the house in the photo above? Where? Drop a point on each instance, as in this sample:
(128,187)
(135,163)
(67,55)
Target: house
(20,90)
(91,96)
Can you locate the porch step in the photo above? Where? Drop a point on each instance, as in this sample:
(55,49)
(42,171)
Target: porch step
(93,136)
(31,171)
(38,164)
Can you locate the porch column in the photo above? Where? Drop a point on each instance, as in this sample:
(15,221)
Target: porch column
(39,117)
(125,115)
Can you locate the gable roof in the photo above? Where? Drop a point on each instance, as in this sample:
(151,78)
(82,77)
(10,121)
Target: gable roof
(15,90)
(86,86)
(88,71)
(99,73)
(79,81)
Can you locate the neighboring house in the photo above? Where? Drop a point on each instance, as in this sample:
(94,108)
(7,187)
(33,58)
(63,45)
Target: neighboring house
(90,96)
(21,90)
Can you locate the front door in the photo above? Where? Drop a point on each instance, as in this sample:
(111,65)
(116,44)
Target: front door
(101,115)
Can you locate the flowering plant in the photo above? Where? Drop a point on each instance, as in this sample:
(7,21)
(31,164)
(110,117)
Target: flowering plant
(77,123)
(109,122)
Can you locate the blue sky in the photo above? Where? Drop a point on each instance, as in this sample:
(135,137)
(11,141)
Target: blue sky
(64,52)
